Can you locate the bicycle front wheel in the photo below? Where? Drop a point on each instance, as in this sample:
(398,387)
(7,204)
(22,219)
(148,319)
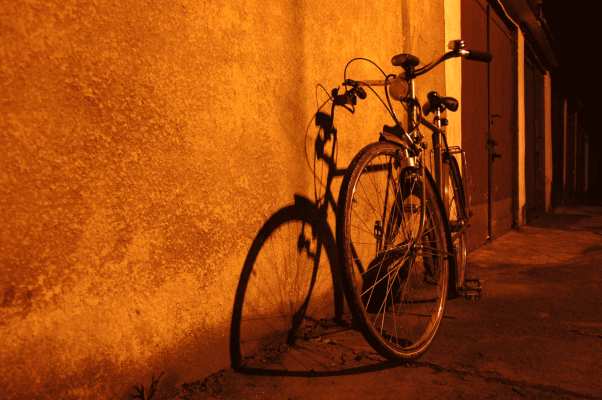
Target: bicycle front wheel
(393,242)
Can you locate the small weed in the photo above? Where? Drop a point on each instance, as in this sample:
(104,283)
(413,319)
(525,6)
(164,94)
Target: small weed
(141,394)
(212,385)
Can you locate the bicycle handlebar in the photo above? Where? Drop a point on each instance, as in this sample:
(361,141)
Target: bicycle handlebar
(481,56)
(400,82)
(474,55)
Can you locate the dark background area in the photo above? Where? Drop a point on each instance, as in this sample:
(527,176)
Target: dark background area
(577,46)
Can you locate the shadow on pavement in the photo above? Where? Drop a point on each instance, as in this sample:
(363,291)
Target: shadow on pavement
(558,221)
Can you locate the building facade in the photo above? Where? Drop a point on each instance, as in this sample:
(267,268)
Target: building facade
(145,145)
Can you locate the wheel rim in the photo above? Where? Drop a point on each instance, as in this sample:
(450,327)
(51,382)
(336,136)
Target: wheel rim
(455,212)
(399,279)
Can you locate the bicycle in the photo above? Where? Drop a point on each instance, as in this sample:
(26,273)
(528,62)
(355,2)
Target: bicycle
(401,232)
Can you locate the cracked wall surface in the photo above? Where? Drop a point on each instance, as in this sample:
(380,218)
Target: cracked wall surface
(143,145)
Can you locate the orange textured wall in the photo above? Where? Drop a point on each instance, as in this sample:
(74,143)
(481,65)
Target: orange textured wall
(143,143)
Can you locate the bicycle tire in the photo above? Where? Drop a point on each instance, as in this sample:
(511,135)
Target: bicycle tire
(458,217)
(265,285)
(412,314)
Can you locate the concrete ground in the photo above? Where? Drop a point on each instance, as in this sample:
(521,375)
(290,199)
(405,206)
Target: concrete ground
(536,333)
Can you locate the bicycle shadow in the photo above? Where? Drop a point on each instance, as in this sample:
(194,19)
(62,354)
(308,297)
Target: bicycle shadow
(289,313)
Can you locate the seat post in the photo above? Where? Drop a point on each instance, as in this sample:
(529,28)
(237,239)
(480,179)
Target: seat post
(412,95)
(437,159)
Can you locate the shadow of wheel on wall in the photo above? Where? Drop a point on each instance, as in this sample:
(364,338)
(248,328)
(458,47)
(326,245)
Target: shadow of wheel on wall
(288,294)
(288,316)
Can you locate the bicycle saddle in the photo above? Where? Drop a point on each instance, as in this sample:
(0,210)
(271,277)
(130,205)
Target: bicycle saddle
(404,60)
(436,102)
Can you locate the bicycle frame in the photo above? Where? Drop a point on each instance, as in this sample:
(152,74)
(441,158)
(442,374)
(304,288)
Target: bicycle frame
(406,234)
(411,140)
(440,146)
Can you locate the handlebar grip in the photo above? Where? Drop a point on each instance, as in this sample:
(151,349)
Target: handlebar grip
(482,56)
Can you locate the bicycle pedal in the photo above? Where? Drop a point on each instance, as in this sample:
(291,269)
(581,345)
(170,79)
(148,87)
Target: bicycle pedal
(474,283)
(471,295)
(472,289)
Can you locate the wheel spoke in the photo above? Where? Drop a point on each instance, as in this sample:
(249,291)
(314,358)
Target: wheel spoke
(400,294)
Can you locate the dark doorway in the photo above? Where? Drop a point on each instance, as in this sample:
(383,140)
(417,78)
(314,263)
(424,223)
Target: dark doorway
(558,142)
(489,121)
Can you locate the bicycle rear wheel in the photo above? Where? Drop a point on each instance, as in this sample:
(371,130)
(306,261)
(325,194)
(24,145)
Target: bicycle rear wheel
(455,201)
(395,267)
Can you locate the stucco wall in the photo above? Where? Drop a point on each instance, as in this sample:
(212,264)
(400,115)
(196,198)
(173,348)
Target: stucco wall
(143,145)
(453,70)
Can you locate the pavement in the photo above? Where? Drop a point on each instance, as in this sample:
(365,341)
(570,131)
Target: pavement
(536,333)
